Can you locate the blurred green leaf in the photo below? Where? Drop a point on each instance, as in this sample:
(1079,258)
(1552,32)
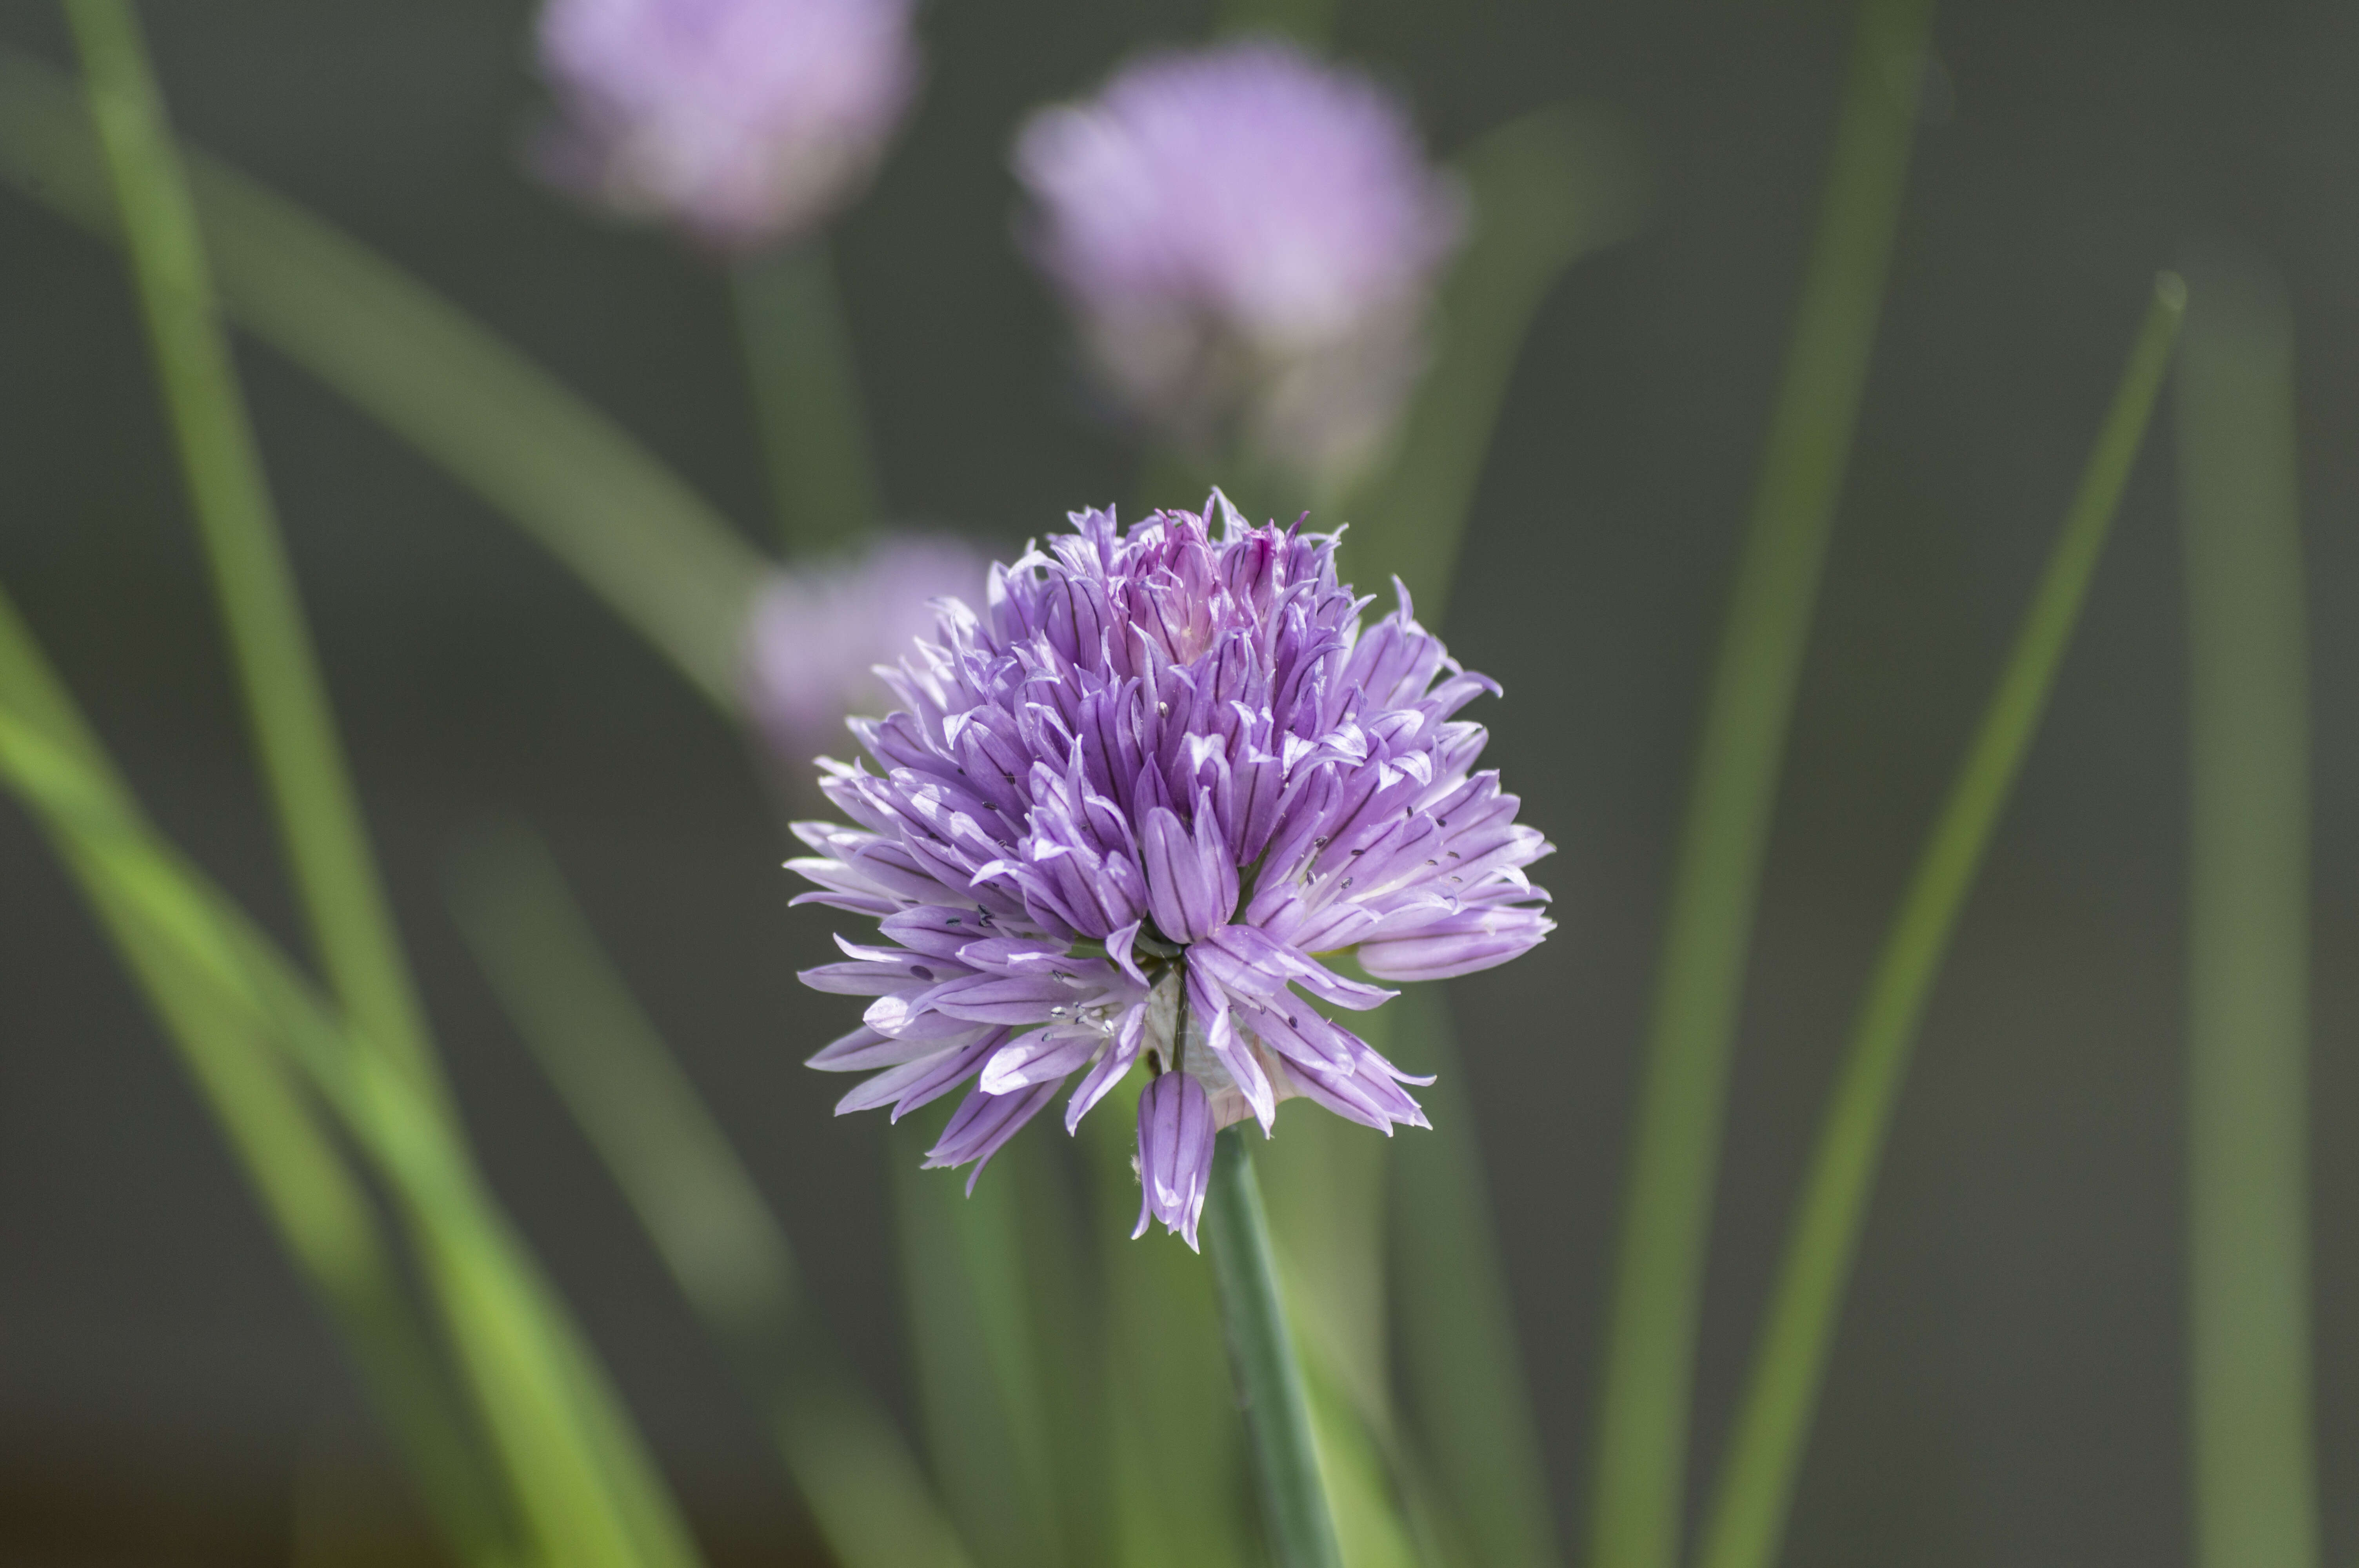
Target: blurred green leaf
(583,1483)
(286,696)
(1458,1344)
(1323,1179)
(1639,1496)
(1175,1443)
(1068,1319)
(806,385)
(978,1349)
(1545,190)
(2248,937)
(319,1206)
(668,565)
(697,1202)
(579,1476)
(1748,1517)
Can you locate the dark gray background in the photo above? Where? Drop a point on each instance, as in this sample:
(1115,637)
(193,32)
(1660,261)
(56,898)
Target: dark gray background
(2007,1388)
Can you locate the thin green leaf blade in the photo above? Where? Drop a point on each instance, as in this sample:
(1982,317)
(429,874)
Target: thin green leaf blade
(634,532)
(314,1201)
(285,695)
(585,1488)
(1545,190)
(1747,1516)
(1458,1344)
(806,385)
(1175,1442)
(1639,1494)
(697,1202)
(2248,940)
(978,1350)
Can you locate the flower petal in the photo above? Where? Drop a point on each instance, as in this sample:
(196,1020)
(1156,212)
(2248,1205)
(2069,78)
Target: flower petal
(1040,1056)
(1111,1067)
(982,1125)
(1175,1154)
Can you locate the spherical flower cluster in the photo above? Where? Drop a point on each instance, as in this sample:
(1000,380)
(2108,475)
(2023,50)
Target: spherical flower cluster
(1248,237)
(1125,814)
(746,122)
(817,635)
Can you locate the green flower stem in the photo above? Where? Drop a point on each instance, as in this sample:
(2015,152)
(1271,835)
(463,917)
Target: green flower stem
(2248,933)
(286,702)
(1748,1517)
(806,384)
(670,567)
(1262,1362)
(698,1205)
(1323,1181)
(1642,1438)
(1175,1442)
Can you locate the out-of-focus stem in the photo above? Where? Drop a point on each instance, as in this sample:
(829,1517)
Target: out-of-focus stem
(1457,1325)
(1545,189)
(1176,1444)
(1262,1361)
(583,1486)
(1748,1517)
(668,565)
(580,1479)
(698,1205)
(1308,22)
(286,702)
(323,1213)
(982,1388)
(799,358)
(1642,1435)
(2248,927)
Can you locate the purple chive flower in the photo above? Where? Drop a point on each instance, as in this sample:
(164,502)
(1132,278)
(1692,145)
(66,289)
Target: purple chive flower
(744,122)
(1126,810)
(817,637)
(1248,237)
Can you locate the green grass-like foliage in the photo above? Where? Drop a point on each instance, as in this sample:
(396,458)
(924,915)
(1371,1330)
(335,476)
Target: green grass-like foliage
(657,553)
(1756,1485)
(1640,1489)
(579,1485)
(698,1204)
(2253,1466)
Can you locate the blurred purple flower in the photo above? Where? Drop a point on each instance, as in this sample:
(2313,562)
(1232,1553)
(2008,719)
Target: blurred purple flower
(817,637)
(744,122)
(1248,237)
(1124,806)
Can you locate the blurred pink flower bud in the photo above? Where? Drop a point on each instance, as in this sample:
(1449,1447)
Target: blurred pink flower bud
(1248,237)
(744,122)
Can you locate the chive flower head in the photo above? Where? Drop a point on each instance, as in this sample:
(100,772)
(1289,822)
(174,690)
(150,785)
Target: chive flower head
(818,634)
(1127,815)
(742,122)
(1247,237)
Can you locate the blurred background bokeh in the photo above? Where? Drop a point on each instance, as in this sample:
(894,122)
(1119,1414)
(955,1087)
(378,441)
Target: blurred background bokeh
(2008,1386)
